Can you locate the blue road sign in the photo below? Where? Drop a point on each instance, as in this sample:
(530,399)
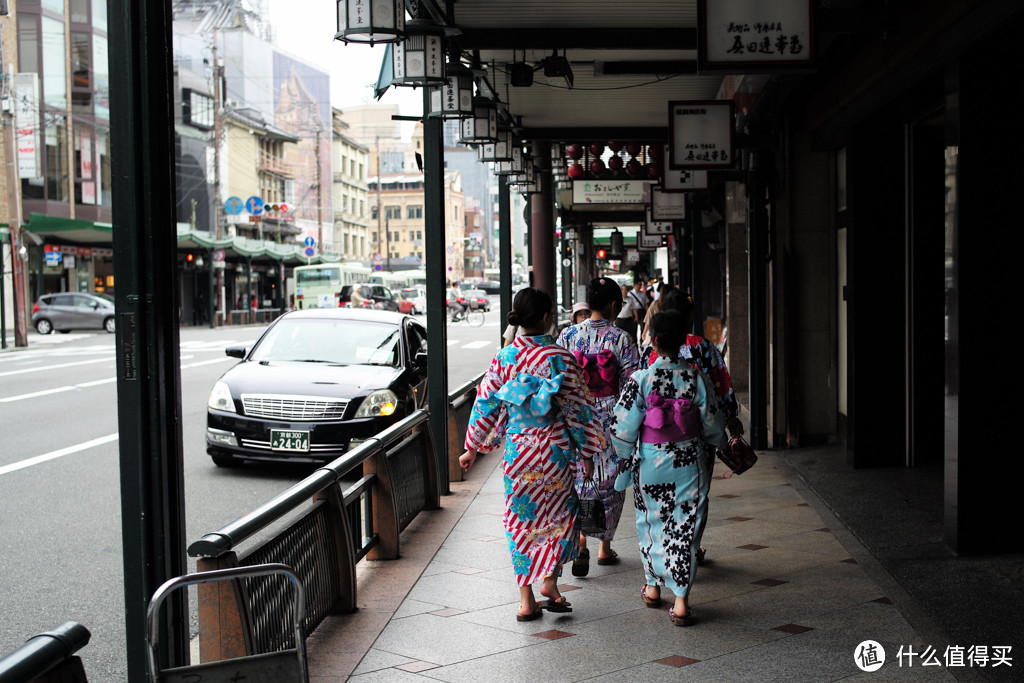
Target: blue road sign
(233,206)
(309,241)
(378,267)
(254,205)
(310,251)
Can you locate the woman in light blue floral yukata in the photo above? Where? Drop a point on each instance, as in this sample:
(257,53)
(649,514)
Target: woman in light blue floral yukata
(534,396)
(608,356)
(673,412)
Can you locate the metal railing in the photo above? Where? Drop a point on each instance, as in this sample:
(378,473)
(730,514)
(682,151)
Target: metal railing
(354,507)
(51,652)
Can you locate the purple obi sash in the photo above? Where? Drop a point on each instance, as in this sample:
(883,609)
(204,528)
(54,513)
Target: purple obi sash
(600,372)
(669,420)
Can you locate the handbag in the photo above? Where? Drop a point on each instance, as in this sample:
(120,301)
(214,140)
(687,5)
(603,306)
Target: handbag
(591,510)
(737,455)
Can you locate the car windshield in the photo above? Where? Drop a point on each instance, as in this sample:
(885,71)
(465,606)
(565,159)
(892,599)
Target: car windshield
(409,293)
(106,297)
(476,292)
(335,342)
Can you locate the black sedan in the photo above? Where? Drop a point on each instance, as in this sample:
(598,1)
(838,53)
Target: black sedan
(317,382)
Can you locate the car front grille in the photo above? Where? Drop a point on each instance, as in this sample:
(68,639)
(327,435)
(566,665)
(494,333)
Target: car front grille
(293,408)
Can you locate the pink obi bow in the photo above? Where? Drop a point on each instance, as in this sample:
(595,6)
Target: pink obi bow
(600,372)
(669,420)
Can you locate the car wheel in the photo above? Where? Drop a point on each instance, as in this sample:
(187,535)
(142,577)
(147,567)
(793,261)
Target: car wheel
(109,325)
(413,311)
(223,461)
(44,326)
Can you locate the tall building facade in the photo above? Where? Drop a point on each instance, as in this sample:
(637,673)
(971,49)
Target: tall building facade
(350,161)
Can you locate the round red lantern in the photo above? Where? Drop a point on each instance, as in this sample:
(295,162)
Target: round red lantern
(576,171)
(597,167)
(596,148)
(615,163)
(574,151)
(614,145)
(654,152)
(653,171)
(633,167)
(633,149)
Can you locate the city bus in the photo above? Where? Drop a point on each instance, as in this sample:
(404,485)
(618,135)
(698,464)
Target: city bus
(319,286)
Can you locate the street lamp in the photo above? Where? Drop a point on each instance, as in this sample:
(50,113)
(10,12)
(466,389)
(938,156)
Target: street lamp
(453,100)
(419,59)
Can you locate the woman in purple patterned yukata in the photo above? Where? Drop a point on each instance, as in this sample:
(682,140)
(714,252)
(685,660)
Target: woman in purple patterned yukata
(608,356)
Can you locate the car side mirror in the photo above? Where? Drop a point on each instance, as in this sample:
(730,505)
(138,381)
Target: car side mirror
(235,351)
(421,359)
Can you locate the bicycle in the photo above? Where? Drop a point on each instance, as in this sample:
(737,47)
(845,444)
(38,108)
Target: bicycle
(471,316)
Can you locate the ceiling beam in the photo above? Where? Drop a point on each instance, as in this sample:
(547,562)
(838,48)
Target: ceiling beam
(585,133)
(645,38)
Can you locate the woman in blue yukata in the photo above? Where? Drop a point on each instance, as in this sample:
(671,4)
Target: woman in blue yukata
(534,396)
(608,356)
(674,413)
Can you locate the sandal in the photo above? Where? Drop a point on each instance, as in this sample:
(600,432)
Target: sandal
(610,559)
(581,565)
(649,601)
(681,620)
(559,604)
(535,614)
(701,552)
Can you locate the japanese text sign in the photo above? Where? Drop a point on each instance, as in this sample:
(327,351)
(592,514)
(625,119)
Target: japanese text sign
(667,206)
(655,227)
(610,191)
(753,34)
(700,134)
(686,180)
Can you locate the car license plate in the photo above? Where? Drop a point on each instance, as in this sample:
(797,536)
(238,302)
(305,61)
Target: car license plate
(287,440)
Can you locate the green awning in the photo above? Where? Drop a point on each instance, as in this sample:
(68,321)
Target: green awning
(70,229)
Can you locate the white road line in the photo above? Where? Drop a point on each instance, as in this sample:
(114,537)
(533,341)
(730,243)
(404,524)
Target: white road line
(53,455)
(54,367)
(477,344)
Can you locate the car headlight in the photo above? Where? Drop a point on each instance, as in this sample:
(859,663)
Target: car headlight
(378,404)
(220,398)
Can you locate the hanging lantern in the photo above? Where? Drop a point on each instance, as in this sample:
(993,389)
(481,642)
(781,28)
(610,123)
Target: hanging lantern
(615,163)
(482,126)
(419,59)
(597,167)
(576,171)
(633,149)
(454,99)
(371,21)
(633,167)
(614,146)
(596,148)
(514,166)
(653,171)
(575,152)
(500,150)
(654,152)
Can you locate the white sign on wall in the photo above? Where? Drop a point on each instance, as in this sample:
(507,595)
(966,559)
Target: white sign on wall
(684,180)
(700,134)
(754,34)
(656,227)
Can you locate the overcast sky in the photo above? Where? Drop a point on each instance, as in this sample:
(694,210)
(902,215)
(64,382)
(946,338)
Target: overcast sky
(306,29)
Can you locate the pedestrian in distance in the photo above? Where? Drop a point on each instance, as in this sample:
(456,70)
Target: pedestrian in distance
(665,420)
(608,357)
(580,311)
(628,318)
(533,397)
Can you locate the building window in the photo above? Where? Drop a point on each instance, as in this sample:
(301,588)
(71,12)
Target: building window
(101,74)
(79,11)
(373,215)
(54,60)
(393,212)
(414,211)
(81,72)
(56,160)
(99,15)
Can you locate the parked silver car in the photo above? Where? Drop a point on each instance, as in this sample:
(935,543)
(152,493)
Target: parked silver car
(73,311)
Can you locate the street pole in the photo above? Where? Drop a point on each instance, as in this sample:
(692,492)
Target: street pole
(387,230)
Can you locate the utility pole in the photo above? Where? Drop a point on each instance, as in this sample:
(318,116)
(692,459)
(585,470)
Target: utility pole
(319,197)
(218,133)
(14,221)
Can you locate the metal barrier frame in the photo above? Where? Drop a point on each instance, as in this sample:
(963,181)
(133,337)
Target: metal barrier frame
(354,507)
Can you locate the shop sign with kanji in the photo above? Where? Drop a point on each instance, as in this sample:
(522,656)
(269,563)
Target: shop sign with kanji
(611,191)
(753,35)
(701,134)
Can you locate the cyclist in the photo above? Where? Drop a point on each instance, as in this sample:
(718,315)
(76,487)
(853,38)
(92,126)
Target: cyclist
(456,310)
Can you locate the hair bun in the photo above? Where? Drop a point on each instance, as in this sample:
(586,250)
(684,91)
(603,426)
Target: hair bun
(515,319)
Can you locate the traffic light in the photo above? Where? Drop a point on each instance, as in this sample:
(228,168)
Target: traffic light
(602,254)
(281,208)
(566,249)
(190,261)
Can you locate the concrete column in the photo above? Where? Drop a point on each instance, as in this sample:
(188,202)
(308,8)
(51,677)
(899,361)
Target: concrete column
(737,349)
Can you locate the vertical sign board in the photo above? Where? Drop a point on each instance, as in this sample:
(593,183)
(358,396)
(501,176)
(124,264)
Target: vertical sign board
(668,206)
(26,122)
(701,134)
(745,36)
(686,180)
